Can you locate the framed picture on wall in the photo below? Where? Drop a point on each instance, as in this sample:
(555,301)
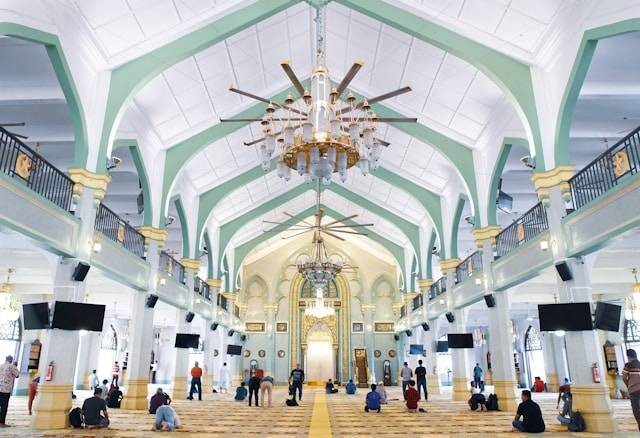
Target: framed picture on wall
(282,327)
(357,327)
(383,327)
(255,327)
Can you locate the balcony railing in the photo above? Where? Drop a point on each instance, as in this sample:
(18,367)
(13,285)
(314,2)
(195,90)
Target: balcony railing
(202,288)
(116,229)
(20,162)
(172,267)
(468,266)
(417,302)
(403,311)
(438,288)
(606,171)
(525,228)
(222,301)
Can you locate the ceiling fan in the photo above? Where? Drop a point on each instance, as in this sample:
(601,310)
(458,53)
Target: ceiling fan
(11,124)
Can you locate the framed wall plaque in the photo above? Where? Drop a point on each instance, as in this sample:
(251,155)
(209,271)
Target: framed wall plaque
(261,353)
(282,327)
(392,353)
(255,327)
(377,353)
(357,327)
(383,326)
(281,354)
(246,353)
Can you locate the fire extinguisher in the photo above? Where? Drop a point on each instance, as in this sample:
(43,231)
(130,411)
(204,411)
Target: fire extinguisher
(49,376)
(595,373)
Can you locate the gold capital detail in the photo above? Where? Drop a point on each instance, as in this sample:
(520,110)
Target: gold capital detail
(214,282)
(558,176)
(153,233)
(449,265)
(232,297)
(191,265)
(409,296)
(425,283)
(84,178)
(486,233)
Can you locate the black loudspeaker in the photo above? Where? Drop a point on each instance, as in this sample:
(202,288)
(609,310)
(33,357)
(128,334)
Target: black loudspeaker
(408,333)
(243,338)
(214,326)
(490,300)
(450,317)
(425,326)
(152,300)
(230,332)
(189,316)
(563,271)
(396,337)
(81,271)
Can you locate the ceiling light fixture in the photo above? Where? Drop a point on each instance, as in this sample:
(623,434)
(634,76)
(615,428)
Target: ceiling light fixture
(320,133)
(9,310)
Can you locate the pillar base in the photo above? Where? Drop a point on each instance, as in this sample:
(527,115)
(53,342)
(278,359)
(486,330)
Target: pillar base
(136,397)
(460,389)
(506,392)
(52,406)
(179,387)
(594,404)
(433,384)
(488,378)
(552,382)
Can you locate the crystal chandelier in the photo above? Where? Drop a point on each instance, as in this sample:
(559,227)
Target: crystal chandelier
(320,268)
(318,133)
(9,310)
(319,308)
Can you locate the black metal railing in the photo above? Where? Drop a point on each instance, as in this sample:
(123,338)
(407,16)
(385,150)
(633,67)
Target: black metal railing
(523,229)
(202,288)
(417,301)
(20,162)
(116,229)
(171,266)
(438,288)
(222,301)
(468,266)
(403,311)
(606,171)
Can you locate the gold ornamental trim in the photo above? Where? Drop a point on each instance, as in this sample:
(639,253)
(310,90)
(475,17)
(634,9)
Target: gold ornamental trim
(620,162)
(398,305)
(425,283)
(190,265)
(409,296)
(214,282)
(82,178)
(486,233)
(371,307)
(558,176)
(23,166)
(153,233)
(230,296)
(449,265)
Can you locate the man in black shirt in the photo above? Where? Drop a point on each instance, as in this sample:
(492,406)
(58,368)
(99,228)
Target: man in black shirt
(91,409)
(296,379)
(529,410)
(421,379)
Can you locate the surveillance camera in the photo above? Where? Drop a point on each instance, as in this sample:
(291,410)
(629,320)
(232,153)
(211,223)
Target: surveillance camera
(113,162)
(169,220)
(528,161)
(469,220)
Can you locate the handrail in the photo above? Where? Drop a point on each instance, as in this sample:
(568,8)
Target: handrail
(468,266)
(20,162)
(418,301)
(606,171)
(222,302)
(116,229)
(202,288)
(403,311)
(523,229)
(171,266)
(438,288)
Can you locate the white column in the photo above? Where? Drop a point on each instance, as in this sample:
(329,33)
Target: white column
(431,363)
(182,359)
(459,360)
(209,342)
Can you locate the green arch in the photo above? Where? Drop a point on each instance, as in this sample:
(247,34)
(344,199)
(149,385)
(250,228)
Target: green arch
(492,196)
(184,228)
(65,78)
(141,170)
(432,242)
(455,225)
(576,79)
(207,242)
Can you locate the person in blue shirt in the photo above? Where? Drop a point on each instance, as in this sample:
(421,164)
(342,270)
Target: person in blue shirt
(372,400)
(350,387)
(241,392)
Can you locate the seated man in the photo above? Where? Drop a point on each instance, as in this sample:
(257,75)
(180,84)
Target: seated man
(412,397)
(91,409)
(350,387)
(158,399)
(166,419)
(538,385)
(531,415)
(372,402)
(382,391)
(241,392)
(477,399)
(115,397)
(328,387)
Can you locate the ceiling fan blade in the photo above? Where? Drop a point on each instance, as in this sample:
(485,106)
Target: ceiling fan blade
(397,119)
(351,226)
(292,77)
(348,232)
(349,77)
(262,99)
(333,235)
(19,135)
(294,235)
(241,120)
(12,124)
(376,99)
(303,221)
(341,220)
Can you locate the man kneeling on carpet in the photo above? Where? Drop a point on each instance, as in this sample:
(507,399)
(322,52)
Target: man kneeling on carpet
(166,419)
(412,397)
(329,389)
(158,399)
(477,399)
(91,409)
(372,402)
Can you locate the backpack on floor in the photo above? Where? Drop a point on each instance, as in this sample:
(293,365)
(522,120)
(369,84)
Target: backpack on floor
(291,402)
(492,403)
(577,423)
(75,418)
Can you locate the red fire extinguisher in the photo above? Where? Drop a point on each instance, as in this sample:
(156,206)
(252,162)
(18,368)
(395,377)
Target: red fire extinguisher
(49,376)
(595,373)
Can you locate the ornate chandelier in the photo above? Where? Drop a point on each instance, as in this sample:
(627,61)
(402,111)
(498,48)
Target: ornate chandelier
(320,268)
(9,310)
(318,133)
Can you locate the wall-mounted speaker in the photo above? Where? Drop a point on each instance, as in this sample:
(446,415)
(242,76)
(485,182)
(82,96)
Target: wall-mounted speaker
(80,272)
(189,316)
(408,333)
(230,332)
(564,271)
(449,316)
(490,300)
(396,337)
(425,326)
(151,301)
(214,326)
(243,338)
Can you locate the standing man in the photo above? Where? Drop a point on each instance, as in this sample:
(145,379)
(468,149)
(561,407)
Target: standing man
(406,374)
(8,373)
(296,379)
(223,380)
(115,374)
(196,380)
(421,379)
(477,375)
(631,378)
(154,370)
(94,382)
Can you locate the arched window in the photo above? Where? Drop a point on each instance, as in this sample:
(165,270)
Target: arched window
(110,339)
(532,340)
(10,335)
(534,355)
(308,291)
(631,333)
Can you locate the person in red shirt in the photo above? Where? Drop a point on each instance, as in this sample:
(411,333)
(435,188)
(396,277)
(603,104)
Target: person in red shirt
(538,385)
(33,391)
(196,381)
(412,396)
